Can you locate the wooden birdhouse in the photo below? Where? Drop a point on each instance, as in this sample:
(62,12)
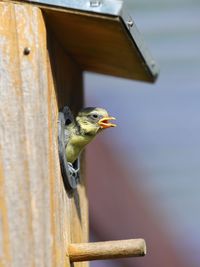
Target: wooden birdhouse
(45,46)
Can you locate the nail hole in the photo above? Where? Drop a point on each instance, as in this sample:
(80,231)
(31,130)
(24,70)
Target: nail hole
(27,51)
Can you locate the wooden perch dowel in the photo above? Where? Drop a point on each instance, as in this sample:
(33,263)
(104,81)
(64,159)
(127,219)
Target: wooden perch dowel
(107,250)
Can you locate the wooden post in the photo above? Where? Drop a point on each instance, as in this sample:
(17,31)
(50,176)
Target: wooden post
(107,250)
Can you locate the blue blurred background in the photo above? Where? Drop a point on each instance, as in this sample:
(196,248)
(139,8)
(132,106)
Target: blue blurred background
(159,124)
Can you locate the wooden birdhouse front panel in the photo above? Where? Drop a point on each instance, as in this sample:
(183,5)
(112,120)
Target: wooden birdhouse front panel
(45,46)
(38,218)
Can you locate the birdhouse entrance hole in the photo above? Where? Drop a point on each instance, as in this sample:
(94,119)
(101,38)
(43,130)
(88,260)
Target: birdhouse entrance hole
(70,172)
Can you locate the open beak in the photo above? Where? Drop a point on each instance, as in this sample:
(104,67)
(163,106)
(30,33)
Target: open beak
(104,122)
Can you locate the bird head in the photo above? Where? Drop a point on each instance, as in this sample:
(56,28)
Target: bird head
(93,120)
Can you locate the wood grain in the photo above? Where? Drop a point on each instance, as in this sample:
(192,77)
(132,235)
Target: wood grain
(38,219)
(107,250)
(99,43)
(68,82)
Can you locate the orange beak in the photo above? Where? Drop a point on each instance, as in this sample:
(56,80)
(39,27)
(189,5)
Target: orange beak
(104,122)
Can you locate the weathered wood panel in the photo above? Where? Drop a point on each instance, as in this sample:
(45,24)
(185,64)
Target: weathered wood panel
(68,82)
(37,218)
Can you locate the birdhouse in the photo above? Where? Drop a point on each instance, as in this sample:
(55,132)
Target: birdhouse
(45,46)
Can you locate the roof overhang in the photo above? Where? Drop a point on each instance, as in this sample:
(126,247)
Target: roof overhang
(101,37)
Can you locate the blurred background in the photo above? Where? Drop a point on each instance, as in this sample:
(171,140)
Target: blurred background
(144,175)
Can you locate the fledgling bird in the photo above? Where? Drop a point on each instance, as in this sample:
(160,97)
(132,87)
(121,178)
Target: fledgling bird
(80,132)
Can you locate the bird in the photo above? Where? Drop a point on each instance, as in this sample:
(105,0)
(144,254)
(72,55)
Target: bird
(83,129)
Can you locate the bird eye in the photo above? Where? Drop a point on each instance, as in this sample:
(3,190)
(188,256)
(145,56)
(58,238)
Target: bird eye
(95,116)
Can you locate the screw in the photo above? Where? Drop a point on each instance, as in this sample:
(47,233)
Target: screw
(95,3)
(130,23)
(27,51)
